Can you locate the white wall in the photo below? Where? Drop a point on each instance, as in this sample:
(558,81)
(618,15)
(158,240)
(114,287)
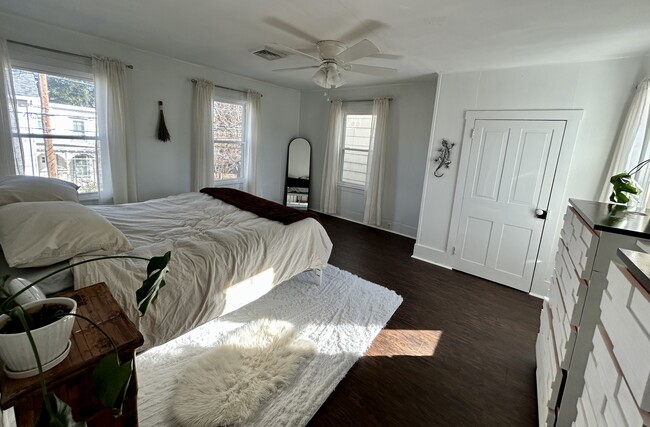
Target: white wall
(406,150)
(601,89)
(164,168)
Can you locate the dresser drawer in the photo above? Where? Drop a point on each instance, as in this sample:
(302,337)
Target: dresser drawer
(606,389)
(565,334)
(626,319)
(549,374)
(574,289)
(590,415)
(581,243)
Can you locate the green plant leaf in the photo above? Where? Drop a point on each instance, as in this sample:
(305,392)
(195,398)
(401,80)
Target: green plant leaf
(148,292)
(622,183)
(110,381)
(61,415)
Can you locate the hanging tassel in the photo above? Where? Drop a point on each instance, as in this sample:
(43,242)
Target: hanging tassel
(163,133)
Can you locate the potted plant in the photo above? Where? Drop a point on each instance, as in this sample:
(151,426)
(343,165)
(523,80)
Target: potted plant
(36,334)
(624,183)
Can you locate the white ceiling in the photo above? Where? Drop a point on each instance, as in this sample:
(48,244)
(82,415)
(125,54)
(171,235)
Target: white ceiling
(429,36)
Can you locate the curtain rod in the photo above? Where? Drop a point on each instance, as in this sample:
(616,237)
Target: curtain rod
(357,100)
(49,49)
(225,87)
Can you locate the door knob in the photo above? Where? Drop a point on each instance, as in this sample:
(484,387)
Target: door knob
(540,213)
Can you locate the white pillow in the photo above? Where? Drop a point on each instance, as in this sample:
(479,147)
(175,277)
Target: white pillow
(20,188)
(36,234)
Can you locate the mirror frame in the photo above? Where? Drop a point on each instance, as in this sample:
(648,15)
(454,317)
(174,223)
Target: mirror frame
(286,172)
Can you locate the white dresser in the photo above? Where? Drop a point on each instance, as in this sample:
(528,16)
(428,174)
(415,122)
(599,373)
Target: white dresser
(617,377)
(590,238)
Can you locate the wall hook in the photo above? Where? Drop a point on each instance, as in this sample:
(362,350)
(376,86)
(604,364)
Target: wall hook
(163,133)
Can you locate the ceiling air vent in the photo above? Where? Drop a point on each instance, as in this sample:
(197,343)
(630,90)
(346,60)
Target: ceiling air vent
(269,54)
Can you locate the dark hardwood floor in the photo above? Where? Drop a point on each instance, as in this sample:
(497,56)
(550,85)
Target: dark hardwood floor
(459,351)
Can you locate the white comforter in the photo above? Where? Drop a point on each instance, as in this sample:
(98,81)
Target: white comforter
(214,245)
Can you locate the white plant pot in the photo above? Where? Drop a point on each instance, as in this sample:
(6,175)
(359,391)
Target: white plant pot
(51,340)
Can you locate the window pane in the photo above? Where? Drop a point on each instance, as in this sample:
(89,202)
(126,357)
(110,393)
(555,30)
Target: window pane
(227,160)
(356,138)
(63,107)
(74,160)
(357,131)
(355,166)
(228,123)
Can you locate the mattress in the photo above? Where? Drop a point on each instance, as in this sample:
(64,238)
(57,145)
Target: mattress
(222,258)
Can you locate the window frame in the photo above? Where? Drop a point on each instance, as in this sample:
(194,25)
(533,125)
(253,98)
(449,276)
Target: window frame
(80,72)
(359,110)
(243,144)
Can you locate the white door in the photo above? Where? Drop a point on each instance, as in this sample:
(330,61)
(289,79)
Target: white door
(510,174)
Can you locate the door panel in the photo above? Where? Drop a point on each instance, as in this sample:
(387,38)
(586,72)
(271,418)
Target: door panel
(513,249)
(480,231)
(530,168)
(511,168)
(489,164)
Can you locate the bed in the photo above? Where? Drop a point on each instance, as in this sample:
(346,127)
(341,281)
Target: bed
(223,257)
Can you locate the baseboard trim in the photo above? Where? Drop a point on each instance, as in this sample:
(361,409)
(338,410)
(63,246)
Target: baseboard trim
(536,295)
(432,256)
(363,223)
(431,262)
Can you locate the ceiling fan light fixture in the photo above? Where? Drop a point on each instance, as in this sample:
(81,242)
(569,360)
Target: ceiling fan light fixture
(320,78)
(334,78)
(328,76)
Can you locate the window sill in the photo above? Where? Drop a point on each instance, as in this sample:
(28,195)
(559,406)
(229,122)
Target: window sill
(351,188)
(89,198)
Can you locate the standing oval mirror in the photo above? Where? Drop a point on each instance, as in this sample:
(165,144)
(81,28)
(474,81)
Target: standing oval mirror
(296,184)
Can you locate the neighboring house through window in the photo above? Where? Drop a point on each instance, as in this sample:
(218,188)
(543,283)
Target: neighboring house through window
(230,142)
(56,120)
(355,148)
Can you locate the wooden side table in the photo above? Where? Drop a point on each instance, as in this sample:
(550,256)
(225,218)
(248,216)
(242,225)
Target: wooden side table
(71,379)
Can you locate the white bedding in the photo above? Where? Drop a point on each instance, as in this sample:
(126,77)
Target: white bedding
(215,247)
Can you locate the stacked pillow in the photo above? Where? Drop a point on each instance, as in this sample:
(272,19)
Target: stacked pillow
(42,223)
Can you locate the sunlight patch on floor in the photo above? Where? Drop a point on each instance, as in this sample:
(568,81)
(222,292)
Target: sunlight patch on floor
(405,342)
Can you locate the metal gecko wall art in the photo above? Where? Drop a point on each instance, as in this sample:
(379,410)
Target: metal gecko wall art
(444,158)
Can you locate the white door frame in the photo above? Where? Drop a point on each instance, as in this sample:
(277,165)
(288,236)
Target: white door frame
(557,202)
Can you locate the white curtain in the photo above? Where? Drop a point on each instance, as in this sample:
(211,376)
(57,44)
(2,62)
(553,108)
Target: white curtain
(202,138)
(11,159)
(632,145)
(114,130)
(375,174)
(332,159)
(254,102)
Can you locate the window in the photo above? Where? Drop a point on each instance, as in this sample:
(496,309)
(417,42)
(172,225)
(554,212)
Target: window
(356,145)
(55,113)
(229,131)
(78,126)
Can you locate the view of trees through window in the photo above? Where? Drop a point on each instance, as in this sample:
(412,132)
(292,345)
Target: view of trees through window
(229,140)
(56,120)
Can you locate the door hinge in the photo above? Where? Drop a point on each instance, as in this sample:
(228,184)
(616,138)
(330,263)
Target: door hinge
(471,133)
(453,250)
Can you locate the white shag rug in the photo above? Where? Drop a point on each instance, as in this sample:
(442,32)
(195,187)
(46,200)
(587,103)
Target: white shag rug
(341,317)
(228,384)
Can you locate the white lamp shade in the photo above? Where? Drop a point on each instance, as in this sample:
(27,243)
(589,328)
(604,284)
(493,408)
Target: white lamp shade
(328,76)
(320,78)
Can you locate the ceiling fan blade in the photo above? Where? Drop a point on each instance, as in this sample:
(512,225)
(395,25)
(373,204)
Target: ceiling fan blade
(372,70)
(288,28)
(294,51)
(360,50)
(386,56)
(362,30)
(297,68)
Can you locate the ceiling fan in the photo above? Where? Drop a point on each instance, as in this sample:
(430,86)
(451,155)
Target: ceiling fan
(334,57)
